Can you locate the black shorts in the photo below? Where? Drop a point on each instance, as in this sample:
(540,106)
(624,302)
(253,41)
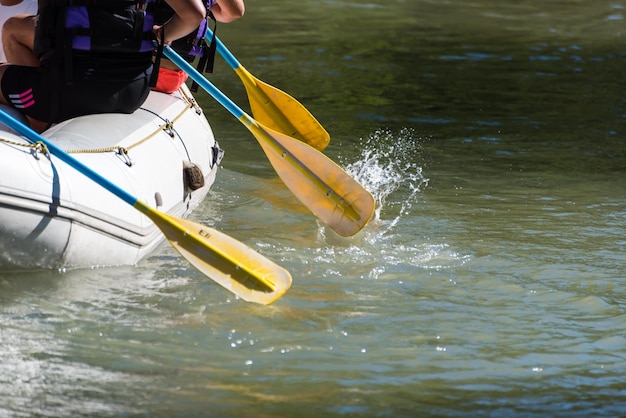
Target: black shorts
(32,91)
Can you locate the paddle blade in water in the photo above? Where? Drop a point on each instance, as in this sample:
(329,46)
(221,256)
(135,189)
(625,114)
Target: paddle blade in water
(330,193)
(280,112)
(227,261)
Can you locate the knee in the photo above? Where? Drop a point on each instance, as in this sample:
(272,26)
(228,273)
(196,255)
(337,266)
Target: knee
(8,29)
(20,28)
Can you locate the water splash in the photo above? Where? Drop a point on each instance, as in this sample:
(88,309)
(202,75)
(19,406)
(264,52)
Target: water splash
(390,168)
(394,243)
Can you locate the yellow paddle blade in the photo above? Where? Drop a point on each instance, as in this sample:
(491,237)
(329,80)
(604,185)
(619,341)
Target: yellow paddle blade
(227,261)
(282,113)
(330,193)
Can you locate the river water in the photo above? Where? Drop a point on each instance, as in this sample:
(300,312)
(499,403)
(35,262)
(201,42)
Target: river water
(490,282)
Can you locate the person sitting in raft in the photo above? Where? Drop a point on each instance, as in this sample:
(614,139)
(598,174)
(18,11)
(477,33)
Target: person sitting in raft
(94,56)
(9,8)
(194,45)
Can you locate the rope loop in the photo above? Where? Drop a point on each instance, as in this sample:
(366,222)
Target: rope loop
(123,154)
(40,147)
(168,128)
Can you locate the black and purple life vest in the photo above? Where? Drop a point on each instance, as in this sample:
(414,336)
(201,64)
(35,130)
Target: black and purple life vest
(119,26)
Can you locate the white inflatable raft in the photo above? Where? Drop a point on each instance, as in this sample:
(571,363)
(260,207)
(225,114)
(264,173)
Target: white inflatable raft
(54,217)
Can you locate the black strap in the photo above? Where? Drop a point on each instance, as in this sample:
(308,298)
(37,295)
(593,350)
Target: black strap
(157,59)
(207,59)
(210,53)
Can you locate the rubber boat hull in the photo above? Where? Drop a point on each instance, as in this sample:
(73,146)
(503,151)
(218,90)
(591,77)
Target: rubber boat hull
(53,217)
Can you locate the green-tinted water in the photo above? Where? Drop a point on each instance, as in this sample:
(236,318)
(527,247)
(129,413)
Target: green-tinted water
(489,284)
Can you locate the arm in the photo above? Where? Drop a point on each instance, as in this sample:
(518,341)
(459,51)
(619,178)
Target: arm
(187,17)
(228,10)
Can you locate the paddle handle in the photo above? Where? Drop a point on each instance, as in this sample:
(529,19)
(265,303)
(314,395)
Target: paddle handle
(223,51)
(35,137)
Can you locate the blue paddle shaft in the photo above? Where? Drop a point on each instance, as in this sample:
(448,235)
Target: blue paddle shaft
(34,137)
(224,52)
(203,82)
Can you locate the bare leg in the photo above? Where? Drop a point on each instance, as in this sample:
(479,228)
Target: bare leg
(37,125)
(18,37)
